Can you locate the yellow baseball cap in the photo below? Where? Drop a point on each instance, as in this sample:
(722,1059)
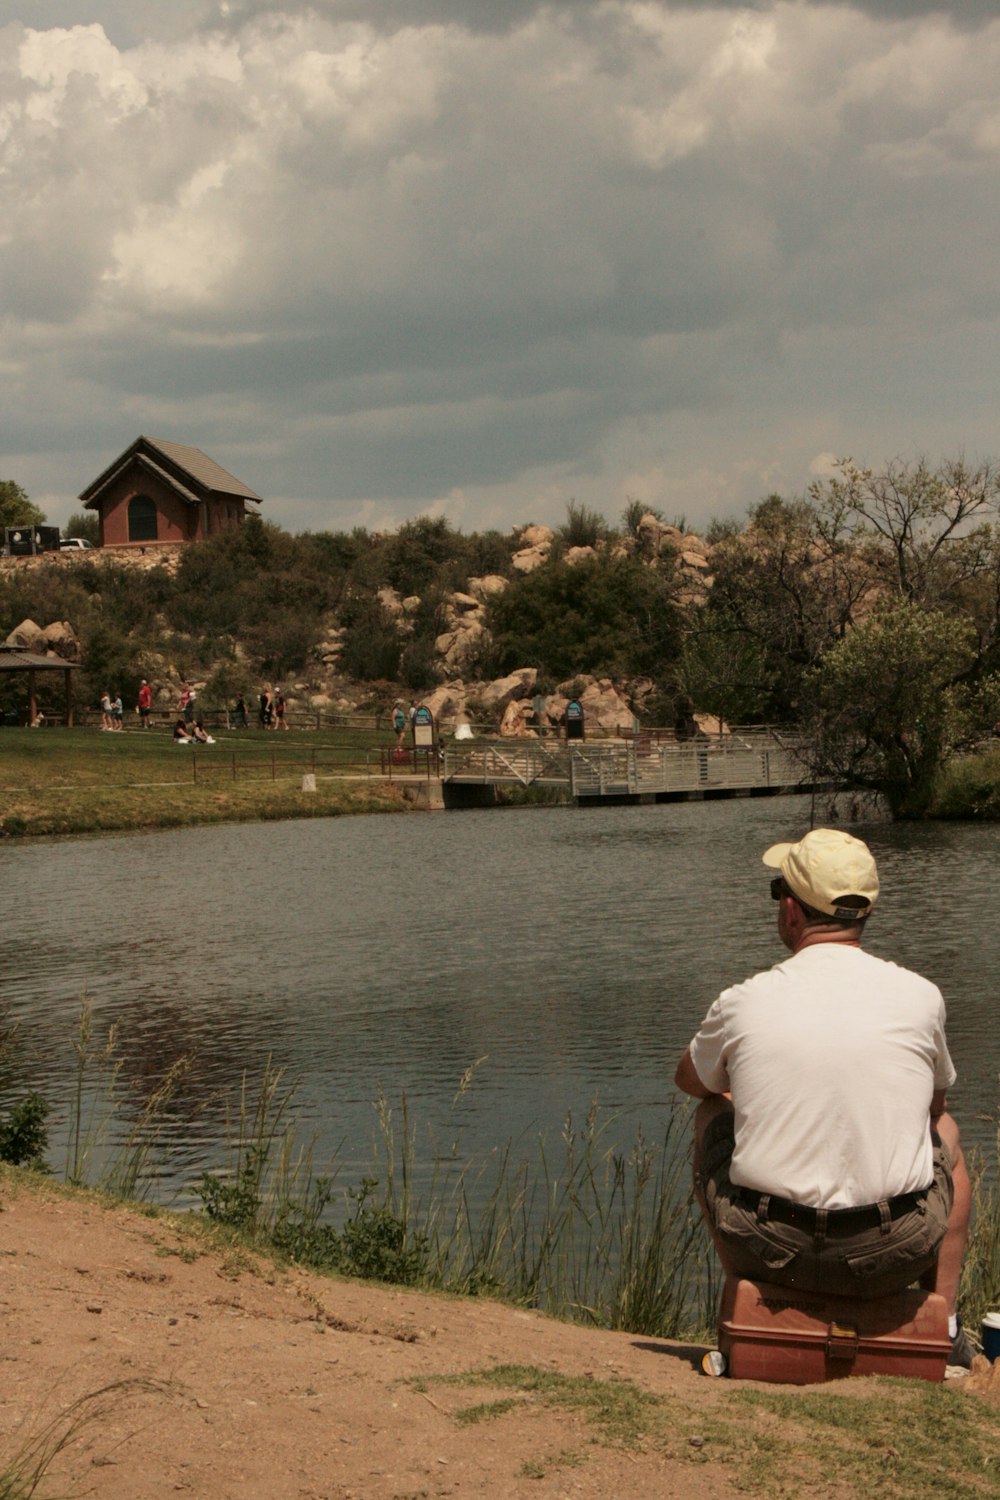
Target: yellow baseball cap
(824,867)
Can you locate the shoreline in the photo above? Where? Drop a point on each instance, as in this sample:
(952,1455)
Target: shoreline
(226,1376)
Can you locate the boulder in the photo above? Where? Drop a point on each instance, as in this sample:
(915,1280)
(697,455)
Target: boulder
(529,558)
(537,536)
(488,586)
(514,724)
(605,708)
(496,695)
(653,534)
(447,702)
(411,604)
(462,603)
(29,636)
(390,601)
(61,641)
(575,555)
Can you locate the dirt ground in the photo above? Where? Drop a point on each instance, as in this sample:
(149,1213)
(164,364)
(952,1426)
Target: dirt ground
(246,1382)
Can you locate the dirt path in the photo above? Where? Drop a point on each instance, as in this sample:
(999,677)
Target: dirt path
(274,1386)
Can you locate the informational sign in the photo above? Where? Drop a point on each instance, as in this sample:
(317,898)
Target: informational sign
(423,729)
(574,720)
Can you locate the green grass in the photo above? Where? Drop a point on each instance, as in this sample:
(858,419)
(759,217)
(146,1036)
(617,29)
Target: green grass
(61,781)
(900,1439)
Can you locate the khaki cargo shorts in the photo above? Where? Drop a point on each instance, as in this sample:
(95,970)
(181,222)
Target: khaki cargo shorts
(866,1253)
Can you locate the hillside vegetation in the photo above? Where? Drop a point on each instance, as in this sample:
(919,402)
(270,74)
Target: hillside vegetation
(866,611)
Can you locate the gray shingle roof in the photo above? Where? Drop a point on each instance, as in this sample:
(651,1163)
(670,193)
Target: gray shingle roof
(16,659)
(204,469)
(181,462)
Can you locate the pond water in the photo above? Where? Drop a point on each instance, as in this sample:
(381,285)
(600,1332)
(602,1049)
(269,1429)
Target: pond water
(569,954)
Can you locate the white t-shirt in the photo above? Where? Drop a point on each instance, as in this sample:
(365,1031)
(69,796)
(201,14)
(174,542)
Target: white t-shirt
(831,1058)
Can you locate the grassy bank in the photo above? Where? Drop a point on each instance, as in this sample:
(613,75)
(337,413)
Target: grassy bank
(593,1228)
(60,781)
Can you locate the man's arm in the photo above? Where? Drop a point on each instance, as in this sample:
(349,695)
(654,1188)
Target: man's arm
(939,1103)
(687,1080)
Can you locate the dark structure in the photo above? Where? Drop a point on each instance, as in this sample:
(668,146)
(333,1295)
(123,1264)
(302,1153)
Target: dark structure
(16,659)
(165,492)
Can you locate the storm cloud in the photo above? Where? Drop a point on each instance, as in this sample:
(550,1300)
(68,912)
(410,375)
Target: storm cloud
(593,250)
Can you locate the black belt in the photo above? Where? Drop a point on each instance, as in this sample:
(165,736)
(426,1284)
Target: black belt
(830,1220)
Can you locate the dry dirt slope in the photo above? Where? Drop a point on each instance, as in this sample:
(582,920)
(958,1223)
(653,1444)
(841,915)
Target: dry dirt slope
(243,1383)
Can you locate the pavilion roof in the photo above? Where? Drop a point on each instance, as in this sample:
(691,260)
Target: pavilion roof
(17,659)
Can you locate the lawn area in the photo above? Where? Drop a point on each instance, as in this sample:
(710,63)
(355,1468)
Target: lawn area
(86,780)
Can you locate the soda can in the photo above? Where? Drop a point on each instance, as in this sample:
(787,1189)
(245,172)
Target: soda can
(714,1362)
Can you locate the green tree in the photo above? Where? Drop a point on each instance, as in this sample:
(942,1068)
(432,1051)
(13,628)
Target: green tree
(85,524)
(891,700)
(930,529)
(725,670)
(606,616)
(784,590)
(15,507)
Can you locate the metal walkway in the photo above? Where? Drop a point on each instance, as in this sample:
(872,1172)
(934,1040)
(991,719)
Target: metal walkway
(641,769)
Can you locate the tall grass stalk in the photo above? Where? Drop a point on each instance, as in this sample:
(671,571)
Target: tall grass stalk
(600,1234)
(23,1473)
(97,1101)
(980,1287)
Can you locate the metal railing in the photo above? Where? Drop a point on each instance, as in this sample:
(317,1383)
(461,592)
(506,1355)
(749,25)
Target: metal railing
(751,759)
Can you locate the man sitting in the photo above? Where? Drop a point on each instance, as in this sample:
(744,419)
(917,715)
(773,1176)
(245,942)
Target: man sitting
(824,1157)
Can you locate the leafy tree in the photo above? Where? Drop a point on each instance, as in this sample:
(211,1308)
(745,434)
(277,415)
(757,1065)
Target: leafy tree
(725,670)
(85,524)
(633,513)
(890,702)
(582,527)
(371,643)
(607,616)
(420,552)
(930,527)
(784,590)
(15,507)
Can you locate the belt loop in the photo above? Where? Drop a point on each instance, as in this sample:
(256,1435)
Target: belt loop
(819,1229)
(885,1216)
(763,1204)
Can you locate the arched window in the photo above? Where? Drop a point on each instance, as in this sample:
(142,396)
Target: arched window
(141,519)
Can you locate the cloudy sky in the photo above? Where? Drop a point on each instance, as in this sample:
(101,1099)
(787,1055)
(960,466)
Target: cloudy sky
(475,258)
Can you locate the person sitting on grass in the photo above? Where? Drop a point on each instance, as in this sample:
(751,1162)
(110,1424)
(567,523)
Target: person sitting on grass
(181,736)
(197,732)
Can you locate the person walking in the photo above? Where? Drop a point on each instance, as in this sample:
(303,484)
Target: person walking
(825,1157)
(399,723)
(145,703)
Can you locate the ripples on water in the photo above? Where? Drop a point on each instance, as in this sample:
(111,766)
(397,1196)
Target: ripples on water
(575,951)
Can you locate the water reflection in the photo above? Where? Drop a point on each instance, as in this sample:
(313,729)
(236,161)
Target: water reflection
(574,951)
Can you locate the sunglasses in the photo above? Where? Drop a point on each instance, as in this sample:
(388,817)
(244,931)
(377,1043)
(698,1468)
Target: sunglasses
(779,888)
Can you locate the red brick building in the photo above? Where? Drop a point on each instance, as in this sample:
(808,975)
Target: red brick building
(165,492)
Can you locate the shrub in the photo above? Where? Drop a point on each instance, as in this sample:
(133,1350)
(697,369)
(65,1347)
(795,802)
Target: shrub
(24,1137)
